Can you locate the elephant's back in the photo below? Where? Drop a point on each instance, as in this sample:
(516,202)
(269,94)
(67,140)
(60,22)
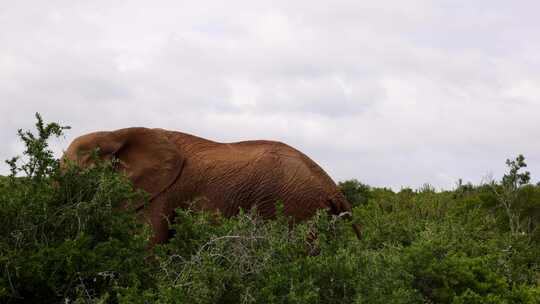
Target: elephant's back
(302,185)
(261,172)
(291,160)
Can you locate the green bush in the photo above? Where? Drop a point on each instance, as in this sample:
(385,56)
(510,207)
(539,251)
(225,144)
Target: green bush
(63,235)
(67,236)
(355,192)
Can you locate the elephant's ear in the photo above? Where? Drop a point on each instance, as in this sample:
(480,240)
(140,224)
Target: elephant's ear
(147,157)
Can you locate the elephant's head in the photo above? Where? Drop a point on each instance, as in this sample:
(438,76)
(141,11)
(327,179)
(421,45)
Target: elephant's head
(145,156)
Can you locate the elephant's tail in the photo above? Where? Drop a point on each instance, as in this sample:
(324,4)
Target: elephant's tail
(342,208)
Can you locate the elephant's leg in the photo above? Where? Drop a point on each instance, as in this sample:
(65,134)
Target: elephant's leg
(156,214)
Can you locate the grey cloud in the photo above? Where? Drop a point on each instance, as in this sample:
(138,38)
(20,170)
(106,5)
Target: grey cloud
(393,94)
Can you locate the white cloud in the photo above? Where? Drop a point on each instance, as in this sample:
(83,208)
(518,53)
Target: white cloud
(394,94)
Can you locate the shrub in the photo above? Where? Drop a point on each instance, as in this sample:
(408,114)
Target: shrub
(67,236)
(355,192)
(63,235)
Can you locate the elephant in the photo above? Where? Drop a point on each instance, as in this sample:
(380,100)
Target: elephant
(176,168)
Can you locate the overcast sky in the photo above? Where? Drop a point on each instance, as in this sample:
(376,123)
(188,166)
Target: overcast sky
(393,93)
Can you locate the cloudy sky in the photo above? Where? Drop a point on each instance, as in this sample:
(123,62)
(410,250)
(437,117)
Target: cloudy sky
(393,93)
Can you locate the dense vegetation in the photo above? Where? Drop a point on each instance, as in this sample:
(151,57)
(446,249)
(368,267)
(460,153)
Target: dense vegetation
(64,239)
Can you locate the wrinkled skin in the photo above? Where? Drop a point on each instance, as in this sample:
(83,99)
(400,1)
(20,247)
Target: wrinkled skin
(178,168)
